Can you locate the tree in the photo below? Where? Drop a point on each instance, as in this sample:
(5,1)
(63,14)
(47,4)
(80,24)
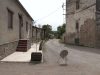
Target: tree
(47,31)
(61,30)
(55,34)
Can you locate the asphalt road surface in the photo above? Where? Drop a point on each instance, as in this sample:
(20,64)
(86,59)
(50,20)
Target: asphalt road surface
(80,61)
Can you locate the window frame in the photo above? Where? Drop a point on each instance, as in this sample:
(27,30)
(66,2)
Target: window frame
(77,4)
(26,26)
(10,18)
(21,19)
(77,25)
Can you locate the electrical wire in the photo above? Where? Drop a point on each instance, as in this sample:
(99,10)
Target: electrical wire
(49,14)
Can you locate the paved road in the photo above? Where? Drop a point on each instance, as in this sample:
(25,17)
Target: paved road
(52,51)
(80,61)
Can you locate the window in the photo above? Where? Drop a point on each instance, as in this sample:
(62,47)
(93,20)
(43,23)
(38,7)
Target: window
(21,20)
(10,19)
(77,4)
(30,27)
(26,26)
(77,41)
(77,25)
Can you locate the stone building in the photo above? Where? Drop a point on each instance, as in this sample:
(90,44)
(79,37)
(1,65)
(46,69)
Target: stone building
(83,22)
(15,26)
(37,34)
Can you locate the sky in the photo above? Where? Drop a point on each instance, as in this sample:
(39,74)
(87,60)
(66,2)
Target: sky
(45,11)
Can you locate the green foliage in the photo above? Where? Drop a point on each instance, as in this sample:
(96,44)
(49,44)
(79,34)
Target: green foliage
(61,30)
(47,31)
(55,34)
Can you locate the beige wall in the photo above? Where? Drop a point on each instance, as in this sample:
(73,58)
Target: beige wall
(10,35)
(85,13)
(38,38)
(81,15)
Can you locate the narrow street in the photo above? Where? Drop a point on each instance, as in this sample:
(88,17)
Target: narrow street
(51,51)
(80,61)
(49,37)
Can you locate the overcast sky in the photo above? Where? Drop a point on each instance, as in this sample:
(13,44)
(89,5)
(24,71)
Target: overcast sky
(45,11)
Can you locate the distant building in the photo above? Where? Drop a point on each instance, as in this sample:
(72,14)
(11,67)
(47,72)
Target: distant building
(37,34)
(83,22)
(15,25)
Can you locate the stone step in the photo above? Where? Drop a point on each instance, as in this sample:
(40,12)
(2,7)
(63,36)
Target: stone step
(22,46)
(20,50)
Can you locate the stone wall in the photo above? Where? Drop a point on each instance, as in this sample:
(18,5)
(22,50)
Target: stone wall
(7,49)
(86,32)
(36,34)
(29,43)
(98,23)
(9,35)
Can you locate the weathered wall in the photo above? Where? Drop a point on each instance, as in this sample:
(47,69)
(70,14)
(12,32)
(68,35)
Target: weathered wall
(34,34)
(9,37)
(98,23)
(87,33)
(7,49)
(86,18)
(36,31)
(70,28)
(39,34)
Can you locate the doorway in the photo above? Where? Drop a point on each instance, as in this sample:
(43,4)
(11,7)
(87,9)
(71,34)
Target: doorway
(77,41)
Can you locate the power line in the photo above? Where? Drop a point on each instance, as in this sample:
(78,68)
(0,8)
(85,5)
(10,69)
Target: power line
(49,14)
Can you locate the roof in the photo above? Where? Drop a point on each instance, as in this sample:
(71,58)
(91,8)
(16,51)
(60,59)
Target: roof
(36,27)
(24,9)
